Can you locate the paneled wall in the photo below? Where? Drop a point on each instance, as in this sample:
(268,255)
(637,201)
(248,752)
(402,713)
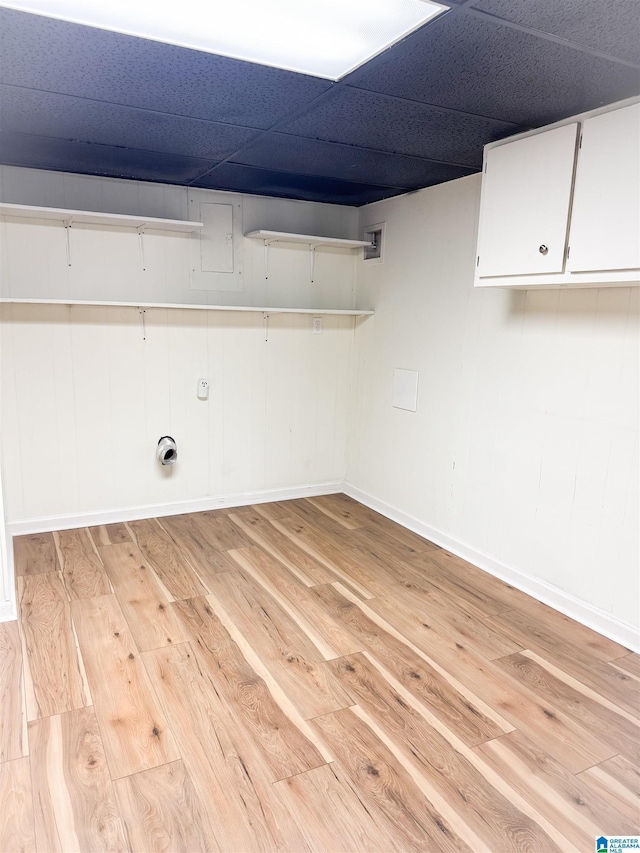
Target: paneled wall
(524,447)
(106,262)
(84,400)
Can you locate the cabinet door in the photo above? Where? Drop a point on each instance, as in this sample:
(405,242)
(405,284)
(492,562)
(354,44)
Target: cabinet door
(605,223)
(524,211)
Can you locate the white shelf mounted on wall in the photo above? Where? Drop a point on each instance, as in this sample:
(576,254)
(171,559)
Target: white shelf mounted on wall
(89,217)
(347,312)
(140,223)
(310,240)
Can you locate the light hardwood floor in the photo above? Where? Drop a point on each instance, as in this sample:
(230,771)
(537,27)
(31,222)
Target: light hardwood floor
(301,676)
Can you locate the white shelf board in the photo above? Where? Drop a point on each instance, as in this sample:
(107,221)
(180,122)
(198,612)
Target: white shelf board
(59,214)
(351,312)
(307,239)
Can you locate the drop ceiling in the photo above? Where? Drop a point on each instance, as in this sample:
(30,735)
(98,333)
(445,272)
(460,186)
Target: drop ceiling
(78,99)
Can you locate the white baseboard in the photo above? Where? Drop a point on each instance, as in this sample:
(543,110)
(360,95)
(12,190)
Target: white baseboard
(48,523)
(583,612)
(8,609)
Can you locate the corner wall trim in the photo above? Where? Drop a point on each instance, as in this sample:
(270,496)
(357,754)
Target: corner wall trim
(49,523)
(583,612)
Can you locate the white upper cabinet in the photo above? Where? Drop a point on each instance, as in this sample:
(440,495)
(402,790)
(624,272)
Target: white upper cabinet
(554,213)
(526,194)
(605,225)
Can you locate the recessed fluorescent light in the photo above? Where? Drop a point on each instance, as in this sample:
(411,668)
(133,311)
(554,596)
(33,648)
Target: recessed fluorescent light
(325,38)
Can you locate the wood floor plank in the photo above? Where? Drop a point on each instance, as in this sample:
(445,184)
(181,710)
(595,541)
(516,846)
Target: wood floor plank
(13,712)
(567,741)
(74,803)
(16,808)
(34,553)
(630,663)
(322,549)
(297,601)
(255,661)
(618,781)
(561,629)
(384,543)
(385,786)
(140,596)
(206,558)
(504,594)
(82,570)
(493,779)
(329,546)
(578,686)
(281,749)
(473,808)
(261,532)
(166,560)
(53,668)
(348,515)
(459,709)
(134,731)
(463,620)
(162,811)
(614,665)
(290,655)
(273,509)
(401,534)
(110,534)
(426,573)
(389,571)
(376,575)
(617,731)
(344,510)
(331,814)
(461,580)
(240,804)
(570,802)
(300,676)
(319,522)
(615,685)
(219,532)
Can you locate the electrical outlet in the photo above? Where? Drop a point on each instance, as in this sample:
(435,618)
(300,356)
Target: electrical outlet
(203,389)
(317,325)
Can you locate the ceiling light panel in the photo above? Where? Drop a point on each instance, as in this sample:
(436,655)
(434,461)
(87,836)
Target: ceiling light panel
(324,38)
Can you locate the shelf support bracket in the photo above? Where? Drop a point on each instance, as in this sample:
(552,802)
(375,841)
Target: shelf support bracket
(312,259)
(141,232)
(266,315)
(142,313)
(67,229)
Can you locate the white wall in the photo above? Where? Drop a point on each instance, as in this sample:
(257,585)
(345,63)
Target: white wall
(106,262)
(84,399)
(523,453)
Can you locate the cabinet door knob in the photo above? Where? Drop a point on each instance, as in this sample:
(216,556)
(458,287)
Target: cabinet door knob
(543,249)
